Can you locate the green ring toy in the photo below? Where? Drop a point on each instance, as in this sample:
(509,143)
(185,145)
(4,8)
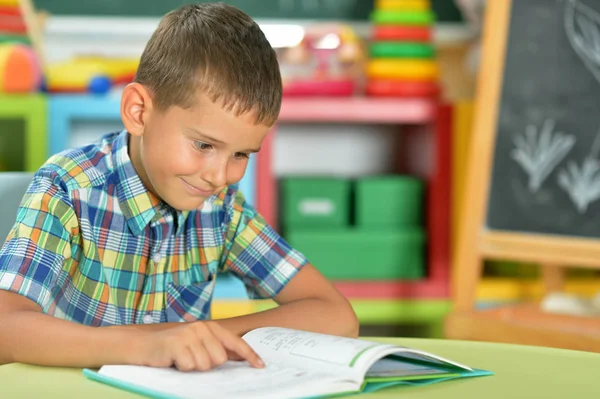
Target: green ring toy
(401,50)
(402,17)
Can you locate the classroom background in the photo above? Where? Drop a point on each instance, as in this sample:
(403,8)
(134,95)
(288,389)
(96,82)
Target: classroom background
(377,168)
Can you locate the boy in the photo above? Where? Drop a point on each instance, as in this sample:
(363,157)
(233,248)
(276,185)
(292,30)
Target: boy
(116,246)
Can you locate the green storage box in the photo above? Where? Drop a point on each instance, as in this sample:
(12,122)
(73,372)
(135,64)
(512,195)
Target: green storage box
(390,201)
(355,254)
(315,202)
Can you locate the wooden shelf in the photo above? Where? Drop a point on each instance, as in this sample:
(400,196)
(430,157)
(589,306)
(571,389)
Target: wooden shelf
(521,289)
(525,324)
(357,110)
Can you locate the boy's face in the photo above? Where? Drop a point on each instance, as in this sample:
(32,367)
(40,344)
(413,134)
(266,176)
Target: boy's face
(186,155)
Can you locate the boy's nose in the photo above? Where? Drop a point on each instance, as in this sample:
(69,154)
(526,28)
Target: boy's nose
(217,176)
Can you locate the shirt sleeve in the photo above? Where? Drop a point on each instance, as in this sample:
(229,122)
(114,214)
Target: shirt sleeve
(33,254)
(256,253)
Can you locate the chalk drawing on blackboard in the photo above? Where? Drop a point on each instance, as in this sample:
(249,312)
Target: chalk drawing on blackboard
(582,184)
(539,154)
(582,26)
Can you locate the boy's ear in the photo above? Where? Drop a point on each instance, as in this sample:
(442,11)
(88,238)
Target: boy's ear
(136,105)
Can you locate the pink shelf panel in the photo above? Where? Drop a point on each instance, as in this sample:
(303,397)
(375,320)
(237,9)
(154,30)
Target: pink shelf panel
(423,289)
(357,110)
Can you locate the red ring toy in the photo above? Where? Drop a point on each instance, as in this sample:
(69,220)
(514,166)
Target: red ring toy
(398,88)
(402,32)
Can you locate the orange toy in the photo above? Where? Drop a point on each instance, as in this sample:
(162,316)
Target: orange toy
(20,70)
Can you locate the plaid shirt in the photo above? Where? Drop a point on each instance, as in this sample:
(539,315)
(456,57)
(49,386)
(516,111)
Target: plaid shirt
(92,245)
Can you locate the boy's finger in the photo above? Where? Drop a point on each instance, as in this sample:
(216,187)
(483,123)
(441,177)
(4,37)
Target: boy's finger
(241,347)
(214,348)
(233,356)
(201,357)
(184,360)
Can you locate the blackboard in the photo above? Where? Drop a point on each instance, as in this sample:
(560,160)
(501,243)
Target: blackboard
(352,10)
(537,94)
(549,122)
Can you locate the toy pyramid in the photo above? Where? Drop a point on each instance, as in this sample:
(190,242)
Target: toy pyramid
(402,57)
(18,24)
(20,48)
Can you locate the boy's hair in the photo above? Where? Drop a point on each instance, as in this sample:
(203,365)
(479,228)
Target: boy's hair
(218,50)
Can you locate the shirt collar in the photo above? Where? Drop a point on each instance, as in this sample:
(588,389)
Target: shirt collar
(139,205)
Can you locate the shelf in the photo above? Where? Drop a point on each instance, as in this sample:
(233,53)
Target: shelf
(421,289)
(368,311)
(412,311)
(438,206)
(525,324)
(357,110)
(489,289)
(498,289)
(31,111)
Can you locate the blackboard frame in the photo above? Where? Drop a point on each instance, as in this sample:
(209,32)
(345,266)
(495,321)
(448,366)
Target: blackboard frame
(477,242)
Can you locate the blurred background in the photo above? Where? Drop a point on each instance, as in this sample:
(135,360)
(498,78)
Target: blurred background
(365,171)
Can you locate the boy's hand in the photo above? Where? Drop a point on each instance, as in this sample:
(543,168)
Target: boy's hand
(200,345)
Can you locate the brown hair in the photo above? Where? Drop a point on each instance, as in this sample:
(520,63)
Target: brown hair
(217,49)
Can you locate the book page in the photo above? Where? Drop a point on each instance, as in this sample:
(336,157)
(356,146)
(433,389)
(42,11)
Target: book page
(320,352)
(394,367)
(426,358)
(231,380)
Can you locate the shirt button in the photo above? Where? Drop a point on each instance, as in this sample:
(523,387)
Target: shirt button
(148,319)
(156,258)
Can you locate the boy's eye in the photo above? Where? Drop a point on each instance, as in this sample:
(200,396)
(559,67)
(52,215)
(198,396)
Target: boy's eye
(202,146)
(242,155)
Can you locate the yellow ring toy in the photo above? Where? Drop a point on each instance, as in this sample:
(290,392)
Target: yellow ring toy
(393,68)
(401,5)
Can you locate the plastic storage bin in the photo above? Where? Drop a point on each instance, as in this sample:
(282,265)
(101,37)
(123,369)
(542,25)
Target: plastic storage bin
(389,202)
(315,202)
(356,254)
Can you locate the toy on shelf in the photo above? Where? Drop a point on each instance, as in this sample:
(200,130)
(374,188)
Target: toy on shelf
(402,58)
(326,61)
(20,51)
(19,24)
(12,24)
(89,74)
(20,70)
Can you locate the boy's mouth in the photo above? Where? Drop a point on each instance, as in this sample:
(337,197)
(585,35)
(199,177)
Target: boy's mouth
(197,191)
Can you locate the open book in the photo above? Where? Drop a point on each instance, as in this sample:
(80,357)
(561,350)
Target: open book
(299,364)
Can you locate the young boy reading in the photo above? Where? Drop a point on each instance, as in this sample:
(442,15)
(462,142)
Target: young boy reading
(116,247)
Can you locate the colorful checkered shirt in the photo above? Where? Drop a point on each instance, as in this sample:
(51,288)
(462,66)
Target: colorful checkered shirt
(92,245)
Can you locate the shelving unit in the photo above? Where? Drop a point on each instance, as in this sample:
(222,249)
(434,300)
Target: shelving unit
(376,302)
(29,110)
(63,110)
(417,117)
